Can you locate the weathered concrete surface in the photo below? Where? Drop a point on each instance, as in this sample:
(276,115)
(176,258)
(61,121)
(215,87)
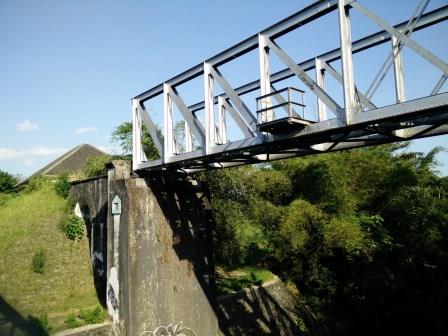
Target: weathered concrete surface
(163,238)
(103,329)
(166,270)
(265,310)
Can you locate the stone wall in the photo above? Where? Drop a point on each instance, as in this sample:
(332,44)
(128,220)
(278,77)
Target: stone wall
(265,310)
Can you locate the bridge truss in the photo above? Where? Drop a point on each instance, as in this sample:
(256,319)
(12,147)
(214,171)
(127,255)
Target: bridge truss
(279,127)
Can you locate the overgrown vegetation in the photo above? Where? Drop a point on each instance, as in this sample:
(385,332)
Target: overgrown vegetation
(237,279)
(62,185)
(362,235)
(96,166)
(85,316)
(73,227)
(29,220)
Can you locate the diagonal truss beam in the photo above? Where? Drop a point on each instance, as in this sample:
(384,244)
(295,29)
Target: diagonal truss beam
(240,122)
(430,57)
(336,75)
(152,129)
(193,123)
(234,98)
(307,80)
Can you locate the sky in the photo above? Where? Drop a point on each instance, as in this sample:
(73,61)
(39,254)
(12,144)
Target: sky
(68,69)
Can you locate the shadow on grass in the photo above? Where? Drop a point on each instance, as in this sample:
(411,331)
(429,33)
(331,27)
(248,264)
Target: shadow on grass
(14,324)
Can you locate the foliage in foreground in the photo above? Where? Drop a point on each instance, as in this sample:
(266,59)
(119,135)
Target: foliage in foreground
(362,234)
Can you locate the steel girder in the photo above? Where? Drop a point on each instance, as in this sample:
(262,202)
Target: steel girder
(358,123)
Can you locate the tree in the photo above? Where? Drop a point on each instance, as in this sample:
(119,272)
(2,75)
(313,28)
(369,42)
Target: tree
(7,182)
(361,233)
(122,135)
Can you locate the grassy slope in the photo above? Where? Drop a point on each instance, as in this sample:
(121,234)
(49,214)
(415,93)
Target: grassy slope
(27,223)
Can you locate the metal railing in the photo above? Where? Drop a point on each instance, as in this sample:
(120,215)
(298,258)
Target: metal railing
(285,107)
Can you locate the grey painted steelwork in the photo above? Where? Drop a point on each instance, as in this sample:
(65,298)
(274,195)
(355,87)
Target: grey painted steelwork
(358,123)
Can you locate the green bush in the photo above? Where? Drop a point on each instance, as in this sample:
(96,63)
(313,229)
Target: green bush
(92,316)
(96,166)
(7,182)
(73,227)
(38,262)
(62,185)
(72,321)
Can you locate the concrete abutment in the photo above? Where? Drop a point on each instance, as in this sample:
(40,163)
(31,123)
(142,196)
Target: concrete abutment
(160,272)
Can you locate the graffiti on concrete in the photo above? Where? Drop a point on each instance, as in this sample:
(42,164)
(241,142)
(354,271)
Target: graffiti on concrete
(112,295)
(170,330)
(98,262)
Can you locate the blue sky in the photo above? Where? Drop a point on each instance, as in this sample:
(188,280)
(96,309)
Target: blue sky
(68,69)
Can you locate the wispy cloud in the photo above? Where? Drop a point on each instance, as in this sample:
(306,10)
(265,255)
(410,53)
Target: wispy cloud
(85,129)
(109,149)
(14,154)
(27,126)
(28,162)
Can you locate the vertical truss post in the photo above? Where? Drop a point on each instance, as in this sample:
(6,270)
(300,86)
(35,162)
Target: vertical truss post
(398,70)
(397,58)
(209,108)
(222,126)
(138,155)
(347,61)
(168,143)
(265,82)
(188,138)
(320,80)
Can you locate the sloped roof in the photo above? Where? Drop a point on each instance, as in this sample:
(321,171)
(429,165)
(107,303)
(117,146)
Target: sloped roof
(70,162)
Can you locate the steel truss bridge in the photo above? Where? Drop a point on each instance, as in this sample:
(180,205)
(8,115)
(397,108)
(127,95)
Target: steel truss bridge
(278,128)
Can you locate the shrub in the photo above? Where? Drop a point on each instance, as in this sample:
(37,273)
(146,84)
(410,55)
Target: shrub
(73,227)
(7,182)
(96,165)
(92,316)
(72,321)
(38,262)
(62,185)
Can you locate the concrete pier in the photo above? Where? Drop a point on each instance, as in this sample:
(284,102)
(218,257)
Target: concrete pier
(163,279)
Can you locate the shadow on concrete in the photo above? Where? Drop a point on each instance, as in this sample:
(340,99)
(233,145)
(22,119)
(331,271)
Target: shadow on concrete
(96,228)
(185,203)
(255,312)
(14,324)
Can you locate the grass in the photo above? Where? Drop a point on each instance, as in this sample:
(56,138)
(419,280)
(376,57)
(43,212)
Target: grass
(29,223)
(230,281)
